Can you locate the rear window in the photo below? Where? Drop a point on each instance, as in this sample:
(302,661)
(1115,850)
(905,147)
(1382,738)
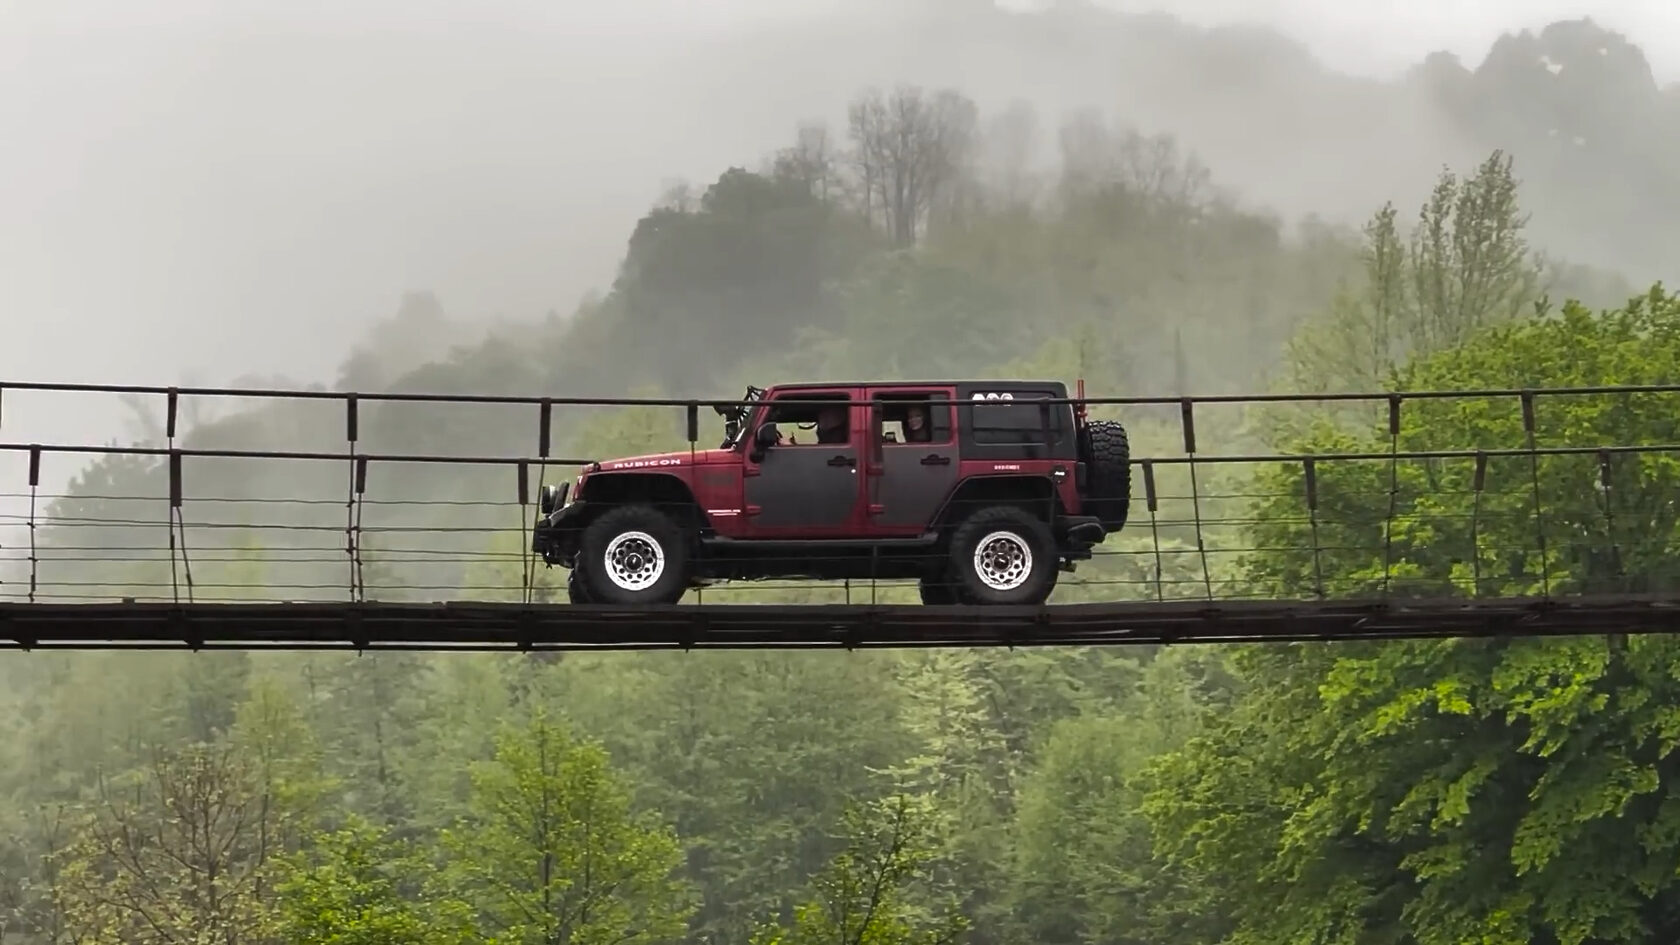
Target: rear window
(1015,418)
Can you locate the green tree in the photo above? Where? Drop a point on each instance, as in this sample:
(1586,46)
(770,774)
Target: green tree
(899,312)
(1497,791)
(874,891)
(177,853)
(1083,870)
(735,276)
(273,736)
(979,718)
(553,853)
(1465,265)
(367,716)
(348,889)
(753,757)
(458,710)
(1534,524)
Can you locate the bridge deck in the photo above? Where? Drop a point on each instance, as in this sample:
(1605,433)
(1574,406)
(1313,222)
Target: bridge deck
(479,626)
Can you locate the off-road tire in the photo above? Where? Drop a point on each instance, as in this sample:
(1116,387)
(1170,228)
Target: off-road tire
(1019,535)
(575,592)
(1107,455)
(646,544)
(938,590)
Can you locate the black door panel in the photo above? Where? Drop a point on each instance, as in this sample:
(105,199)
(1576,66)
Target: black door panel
(805,487)
(914,481)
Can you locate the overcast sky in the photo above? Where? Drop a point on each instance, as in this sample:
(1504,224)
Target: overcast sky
(191,190)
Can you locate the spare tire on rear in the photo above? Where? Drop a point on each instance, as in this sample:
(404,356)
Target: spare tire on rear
(1108,472)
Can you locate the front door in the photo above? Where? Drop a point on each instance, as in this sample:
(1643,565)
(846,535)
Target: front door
(809,485)
(918,466)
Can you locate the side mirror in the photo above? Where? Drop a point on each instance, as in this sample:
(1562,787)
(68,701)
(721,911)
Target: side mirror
(551,497)
(764,437)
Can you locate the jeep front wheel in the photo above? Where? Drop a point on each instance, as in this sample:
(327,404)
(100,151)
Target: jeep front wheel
(633,554)
(574,590)
(1003,555)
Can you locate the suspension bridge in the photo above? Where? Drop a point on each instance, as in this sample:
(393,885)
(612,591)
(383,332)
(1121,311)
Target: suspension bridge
(311,519)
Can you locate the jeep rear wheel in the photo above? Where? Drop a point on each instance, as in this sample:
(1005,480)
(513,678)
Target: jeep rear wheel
(1108,463)
(1003,555)
(633,554)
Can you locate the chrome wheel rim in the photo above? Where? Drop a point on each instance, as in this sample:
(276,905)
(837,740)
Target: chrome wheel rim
(634,561)
(1003,561)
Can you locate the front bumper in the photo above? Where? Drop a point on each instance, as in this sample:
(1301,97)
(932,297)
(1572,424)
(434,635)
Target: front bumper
(555,535)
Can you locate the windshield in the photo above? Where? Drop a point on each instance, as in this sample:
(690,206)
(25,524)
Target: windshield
(735,418)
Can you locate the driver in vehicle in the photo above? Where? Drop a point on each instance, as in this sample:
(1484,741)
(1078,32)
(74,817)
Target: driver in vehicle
(831,428)
(831,425)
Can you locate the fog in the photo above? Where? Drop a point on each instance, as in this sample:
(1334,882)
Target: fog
(199,190)
(1384,37)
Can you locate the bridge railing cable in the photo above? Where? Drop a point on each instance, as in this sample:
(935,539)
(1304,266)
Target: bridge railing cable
(391,502)
(1184,542)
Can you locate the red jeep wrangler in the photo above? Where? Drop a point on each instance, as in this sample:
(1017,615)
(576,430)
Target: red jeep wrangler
(971,487)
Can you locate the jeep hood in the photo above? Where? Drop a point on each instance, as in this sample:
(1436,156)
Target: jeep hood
(670,460)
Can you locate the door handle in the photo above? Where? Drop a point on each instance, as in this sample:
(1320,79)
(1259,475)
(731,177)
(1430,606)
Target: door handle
(934,459)
(842,461)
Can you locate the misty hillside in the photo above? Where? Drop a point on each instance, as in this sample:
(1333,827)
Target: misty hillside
(501,162)
(1596,135)
(1242,121)
(1577,104)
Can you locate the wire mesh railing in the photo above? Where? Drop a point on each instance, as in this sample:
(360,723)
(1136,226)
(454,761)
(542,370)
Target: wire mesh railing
(315,497)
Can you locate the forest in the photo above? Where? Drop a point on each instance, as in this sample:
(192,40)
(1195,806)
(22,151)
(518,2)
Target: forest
(1398,793)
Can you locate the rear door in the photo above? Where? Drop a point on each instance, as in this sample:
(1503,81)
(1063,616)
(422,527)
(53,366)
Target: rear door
(911,473)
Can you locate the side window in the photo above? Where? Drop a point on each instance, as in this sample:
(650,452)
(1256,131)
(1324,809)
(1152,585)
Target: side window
(1014,419)
(818,418)
(909,418)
